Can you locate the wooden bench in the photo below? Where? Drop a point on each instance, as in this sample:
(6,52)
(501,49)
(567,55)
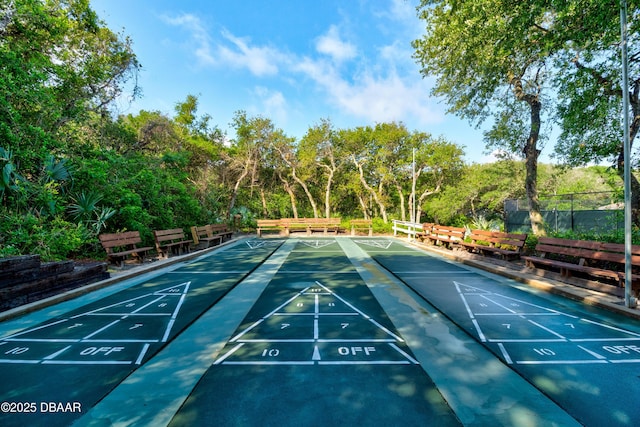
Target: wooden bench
(445,235)
(322,225)
(427,227)
(292,225)
(171,241)
(204,236)
(507,245)
(361,225)
(119,246)
(269,225)
(599,259)
(308,226)
(222,230)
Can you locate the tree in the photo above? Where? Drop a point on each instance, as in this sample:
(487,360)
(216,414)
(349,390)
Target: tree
(251,154)
(371,151)
(489,59)
(438,165)
(58,61)
(479,192)
(589,83)
(320,146)
(299,166)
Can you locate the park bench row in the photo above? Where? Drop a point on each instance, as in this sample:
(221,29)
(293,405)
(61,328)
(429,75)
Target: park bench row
(486,242)
(597,259)
(286,226)
(567,256)
(126,245)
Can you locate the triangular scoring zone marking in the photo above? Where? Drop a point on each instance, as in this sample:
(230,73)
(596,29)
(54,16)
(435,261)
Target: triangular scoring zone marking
(381,244)
(317,244)
(254,244)
(318,319)
(54,343)
(552,337)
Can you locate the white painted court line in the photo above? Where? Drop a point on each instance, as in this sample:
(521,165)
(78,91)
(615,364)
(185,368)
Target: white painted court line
(547,354)
(58,357)
(159,395)
(272,354)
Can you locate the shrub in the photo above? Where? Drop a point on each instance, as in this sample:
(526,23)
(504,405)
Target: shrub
(53,240)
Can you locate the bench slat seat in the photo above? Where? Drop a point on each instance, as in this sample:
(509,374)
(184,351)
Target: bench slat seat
(203,236)
(507,245)
(593,258)
(269,225)
(287,226)
(323,225)
(221,230)
(427,228)
(171,241)
(119,246)
(446,236)
(361,225)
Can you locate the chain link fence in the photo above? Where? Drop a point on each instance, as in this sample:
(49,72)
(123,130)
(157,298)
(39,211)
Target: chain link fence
(597,212)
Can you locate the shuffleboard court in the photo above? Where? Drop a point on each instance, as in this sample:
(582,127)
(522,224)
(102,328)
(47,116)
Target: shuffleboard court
(586,363)
(316,348)
(320,331)
(56,371)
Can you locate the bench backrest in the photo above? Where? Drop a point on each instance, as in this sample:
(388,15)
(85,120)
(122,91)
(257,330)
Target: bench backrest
(427,227)
(499,239)
(199,232)
(312,221)
(360,222)
(128,239)
(586,249)
(218,228)
(169,235)
(269,223)
(451,232)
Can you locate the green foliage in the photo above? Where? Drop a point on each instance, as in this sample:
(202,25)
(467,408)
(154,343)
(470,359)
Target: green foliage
(615,236)
(9,176)
(69,170)
(379,226)
(86,210)
(481,222)
(53,240)
(243,218)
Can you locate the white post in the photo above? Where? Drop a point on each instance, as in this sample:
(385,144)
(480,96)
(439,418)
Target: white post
(413,188)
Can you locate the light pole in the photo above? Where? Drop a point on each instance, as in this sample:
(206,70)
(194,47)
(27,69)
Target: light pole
(629,300)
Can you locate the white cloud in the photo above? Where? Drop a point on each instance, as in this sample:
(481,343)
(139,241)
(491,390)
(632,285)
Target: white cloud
(200,37)
(231,51)
(273,103)
(331,44)
(259,60)
(380,88)
(372,97)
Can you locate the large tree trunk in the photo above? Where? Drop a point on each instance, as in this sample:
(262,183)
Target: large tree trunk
(292,196)
(403,209)
(234,194)
(372,192)
(327,193)
(363,205)
(531,153)
(312,201)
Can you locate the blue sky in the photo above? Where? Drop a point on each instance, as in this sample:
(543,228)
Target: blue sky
(293,61)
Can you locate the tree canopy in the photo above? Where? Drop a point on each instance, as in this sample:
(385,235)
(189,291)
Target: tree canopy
(71,168)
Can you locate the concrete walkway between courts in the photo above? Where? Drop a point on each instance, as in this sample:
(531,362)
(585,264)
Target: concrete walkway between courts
(321,331)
